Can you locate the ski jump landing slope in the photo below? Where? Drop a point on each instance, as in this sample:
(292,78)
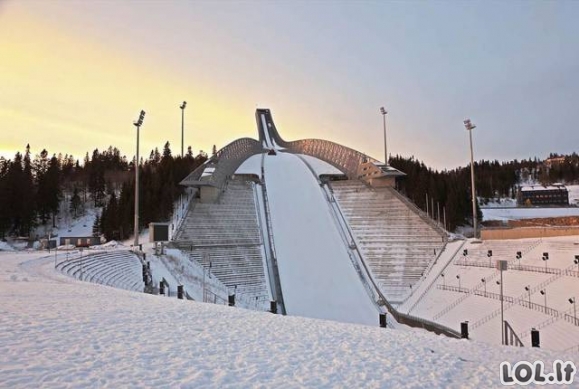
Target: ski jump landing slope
(317,277)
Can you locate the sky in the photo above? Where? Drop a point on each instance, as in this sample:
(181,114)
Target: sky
(74,75)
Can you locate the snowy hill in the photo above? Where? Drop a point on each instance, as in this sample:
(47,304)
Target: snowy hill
(59,332)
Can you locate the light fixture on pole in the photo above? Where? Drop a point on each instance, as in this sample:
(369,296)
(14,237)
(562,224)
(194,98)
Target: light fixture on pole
(528,289)
(545,258)
(443,280)
(572,300)
(544,293)
(469,127)
(576,261)
(182,106)
(384,113)
(458,278)
(137,124)
(484,281)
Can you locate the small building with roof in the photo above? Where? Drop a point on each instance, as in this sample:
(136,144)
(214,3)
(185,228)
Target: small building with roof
(556,194)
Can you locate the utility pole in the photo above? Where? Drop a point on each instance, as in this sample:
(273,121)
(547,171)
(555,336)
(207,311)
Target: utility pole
(384,113)
(137,124)
(469,127)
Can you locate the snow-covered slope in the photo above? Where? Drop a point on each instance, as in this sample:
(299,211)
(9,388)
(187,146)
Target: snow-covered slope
(317,277)
(56,332)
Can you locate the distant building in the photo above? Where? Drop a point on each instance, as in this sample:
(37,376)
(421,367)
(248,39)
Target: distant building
(80,241)
(550,162)
(543,195)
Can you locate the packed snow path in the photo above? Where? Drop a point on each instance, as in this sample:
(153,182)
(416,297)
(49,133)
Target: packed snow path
(317,277)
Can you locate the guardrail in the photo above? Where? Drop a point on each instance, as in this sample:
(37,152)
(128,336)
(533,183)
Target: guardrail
(451,306)
(433,282)
(272,257)
(497,312)
(528,268)
(511,338)
(509,299)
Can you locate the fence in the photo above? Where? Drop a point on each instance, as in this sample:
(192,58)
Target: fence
(529,268)
(511,338)
(509,299)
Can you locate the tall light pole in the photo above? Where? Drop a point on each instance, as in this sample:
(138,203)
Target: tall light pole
(137,124)
(469,127)
(182,106)
(384,113)
(573,301)
(502,265)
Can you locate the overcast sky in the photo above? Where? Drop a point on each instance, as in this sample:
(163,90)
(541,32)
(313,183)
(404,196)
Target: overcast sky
(75,74)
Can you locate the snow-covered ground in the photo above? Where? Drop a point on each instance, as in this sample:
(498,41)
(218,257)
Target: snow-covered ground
(497,203)
(5,246)
(573,194)
(527,213)
(451,307)
(317,276)
(319,166)
(56,332)
(251,165)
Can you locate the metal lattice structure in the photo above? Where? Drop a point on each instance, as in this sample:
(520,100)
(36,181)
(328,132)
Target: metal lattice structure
(223,164)
(343,158)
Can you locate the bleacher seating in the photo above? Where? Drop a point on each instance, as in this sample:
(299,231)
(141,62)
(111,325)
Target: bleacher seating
(396,243)
(119,268)
(231,221)
(225,237)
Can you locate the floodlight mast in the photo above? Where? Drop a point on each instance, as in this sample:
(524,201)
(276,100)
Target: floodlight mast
(469,127)
(137,124)
(182,106)
(384,113)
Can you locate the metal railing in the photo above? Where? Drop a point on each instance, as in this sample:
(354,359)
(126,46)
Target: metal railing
(509,299)
(454,304)
(272,257)
(497,312)
(511,338)
(527,268)
(433,282)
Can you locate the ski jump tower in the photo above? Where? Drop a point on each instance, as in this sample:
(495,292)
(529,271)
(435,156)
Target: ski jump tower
(211,177)
(386,244)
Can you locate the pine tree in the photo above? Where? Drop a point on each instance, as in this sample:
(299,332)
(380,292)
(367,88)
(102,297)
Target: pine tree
(75,203)
(96,227)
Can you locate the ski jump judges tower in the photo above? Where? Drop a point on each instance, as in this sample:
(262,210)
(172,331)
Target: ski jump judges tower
(262,206)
